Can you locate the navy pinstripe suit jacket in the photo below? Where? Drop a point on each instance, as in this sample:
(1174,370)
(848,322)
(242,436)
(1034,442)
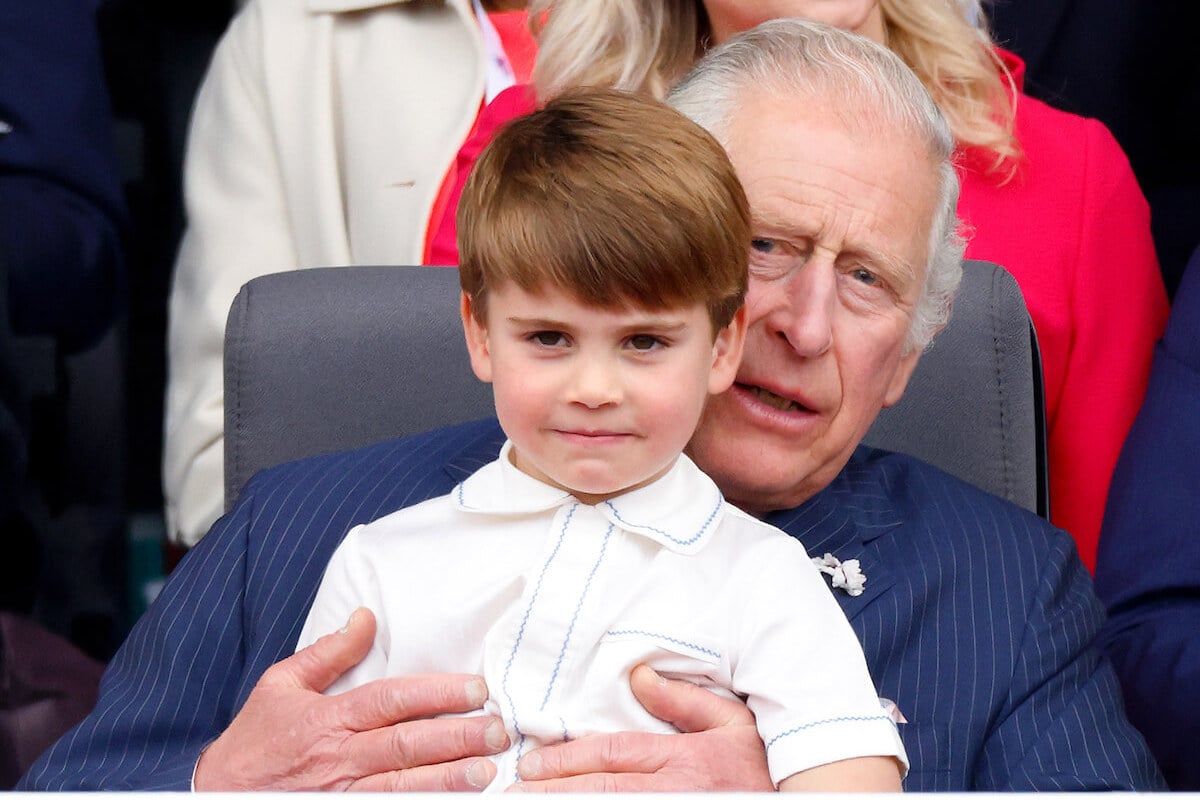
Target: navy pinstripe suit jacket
(977,621)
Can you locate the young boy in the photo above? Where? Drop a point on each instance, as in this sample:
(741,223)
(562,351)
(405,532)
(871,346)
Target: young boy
(604,243)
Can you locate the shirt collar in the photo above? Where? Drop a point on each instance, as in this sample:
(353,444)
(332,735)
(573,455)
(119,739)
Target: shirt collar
(679,511)
(851,518)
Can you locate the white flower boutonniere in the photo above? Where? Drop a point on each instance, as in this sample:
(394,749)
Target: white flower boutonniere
(846,575)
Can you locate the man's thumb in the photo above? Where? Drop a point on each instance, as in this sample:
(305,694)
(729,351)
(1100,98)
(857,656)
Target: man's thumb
(688,707)
(323,662)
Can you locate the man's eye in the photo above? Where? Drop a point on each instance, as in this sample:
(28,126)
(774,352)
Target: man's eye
(762,245)
(644,341)
(548,338)
(865,276)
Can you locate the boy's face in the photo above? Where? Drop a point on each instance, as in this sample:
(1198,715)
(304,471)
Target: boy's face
(598,401)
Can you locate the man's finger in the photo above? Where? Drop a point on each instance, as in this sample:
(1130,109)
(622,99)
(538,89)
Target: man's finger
(597,754)
(387,701)
(467,775)
(323,662)
(424,742)
(688,707)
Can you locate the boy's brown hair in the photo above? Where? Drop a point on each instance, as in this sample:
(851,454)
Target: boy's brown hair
(616,199)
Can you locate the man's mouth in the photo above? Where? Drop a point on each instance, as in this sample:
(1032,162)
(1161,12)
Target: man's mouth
(773,400)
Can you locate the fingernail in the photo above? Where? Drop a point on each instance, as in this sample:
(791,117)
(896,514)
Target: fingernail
(495,737)
(479,773)
(477,692)
(657,676)
(345,628)
(530,766)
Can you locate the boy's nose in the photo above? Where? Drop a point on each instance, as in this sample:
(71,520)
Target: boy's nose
(595,383)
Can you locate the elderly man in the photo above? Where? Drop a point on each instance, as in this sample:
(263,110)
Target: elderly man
(977,619)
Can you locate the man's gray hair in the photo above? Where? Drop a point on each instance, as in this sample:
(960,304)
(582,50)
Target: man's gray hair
(871,85)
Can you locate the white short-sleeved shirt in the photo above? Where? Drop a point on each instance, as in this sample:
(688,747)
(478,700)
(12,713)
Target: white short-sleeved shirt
(554,602)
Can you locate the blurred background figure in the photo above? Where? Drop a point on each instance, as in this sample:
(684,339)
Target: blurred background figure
(62,217)
(323,135)
(1130,65)
(1148,571)
(62,512)
(1048,195)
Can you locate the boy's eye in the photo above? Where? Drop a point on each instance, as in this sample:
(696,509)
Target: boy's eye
(548,338)
(644,341)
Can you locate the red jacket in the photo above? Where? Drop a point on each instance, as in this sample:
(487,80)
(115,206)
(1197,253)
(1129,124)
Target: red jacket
(1073,228)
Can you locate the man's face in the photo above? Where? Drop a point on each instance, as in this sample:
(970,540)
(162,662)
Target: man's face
(598,401)
(841,224)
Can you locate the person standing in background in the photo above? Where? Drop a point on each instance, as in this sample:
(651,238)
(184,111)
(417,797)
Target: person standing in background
(322,135)
(1129,65)
(1148,570)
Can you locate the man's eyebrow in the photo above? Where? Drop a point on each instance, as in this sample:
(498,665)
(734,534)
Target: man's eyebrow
(778,222)
(898,269)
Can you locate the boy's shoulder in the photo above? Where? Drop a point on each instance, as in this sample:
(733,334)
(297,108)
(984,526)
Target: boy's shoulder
(759,542)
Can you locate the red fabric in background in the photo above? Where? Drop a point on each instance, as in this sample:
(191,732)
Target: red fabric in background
(521,50)
(441,246)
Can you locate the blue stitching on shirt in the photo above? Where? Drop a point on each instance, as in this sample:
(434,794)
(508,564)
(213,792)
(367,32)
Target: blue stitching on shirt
(579,605)
(799,728)
(521,633)
(671,639)
(663,533)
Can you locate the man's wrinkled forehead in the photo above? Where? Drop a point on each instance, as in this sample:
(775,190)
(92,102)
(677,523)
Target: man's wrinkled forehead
(861,191)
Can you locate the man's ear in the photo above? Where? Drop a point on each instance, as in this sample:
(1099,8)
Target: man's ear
(904,371)
(727,353)
(477,341)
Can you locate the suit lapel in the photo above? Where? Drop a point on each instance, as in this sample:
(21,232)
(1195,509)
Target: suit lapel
(848,519)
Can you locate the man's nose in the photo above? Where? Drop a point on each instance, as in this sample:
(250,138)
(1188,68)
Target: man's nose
(595,382)
(805,318)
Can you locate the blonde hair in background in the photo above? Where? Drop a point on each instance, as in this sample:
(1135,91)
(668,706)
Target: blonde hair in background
(957,62)
(633,45)
(648,45)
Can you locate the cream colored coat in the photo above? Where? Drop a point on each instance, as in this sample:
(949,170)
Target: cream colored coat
(320,137)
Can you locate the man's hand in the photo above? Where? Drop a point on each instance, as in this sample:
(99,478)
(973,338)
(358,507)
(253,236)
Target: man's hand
(718,749)
(377,737)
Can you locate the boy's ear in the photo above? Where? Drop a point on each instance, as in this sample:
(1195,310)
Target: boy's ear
(477,341)
(727,353)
